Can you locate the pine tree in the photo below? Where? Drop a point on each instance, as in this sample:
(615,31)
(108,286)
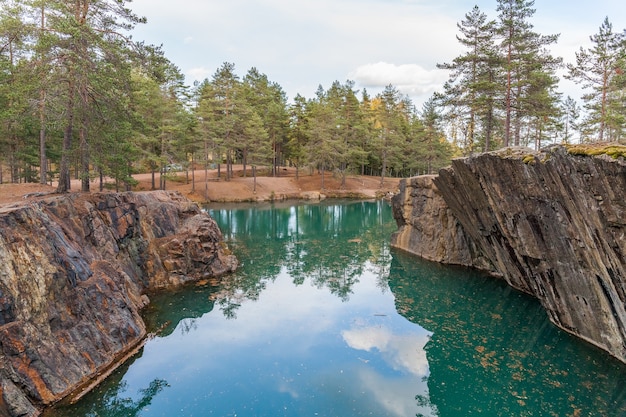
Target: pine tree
(260,148)
(529,68)
(570,113)
(42,67)
(207,126)
(94,53)
(471,91)
(512,26)
(270,102)
(434,150)
(390,127)
(356,129)
(13,87)
(348,122)
(365,132)
(298,132)
(323,133)
(226,95)
(599,70)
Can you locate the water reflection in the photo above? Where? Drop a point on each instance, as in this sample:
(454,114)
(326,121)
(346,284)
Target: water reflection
(322,319)
(327,244)
(179,309)
(115,398)
(401,352)
(127,407)
(494,351)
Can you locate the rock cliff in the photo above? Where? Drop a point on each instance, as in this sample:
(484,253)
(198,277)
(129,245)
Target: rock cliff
(551,223)
(74,271)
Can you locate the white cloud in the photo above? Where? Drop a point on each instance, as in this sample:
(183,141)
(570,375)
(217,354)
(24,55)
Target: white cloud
(307,43)
(411,79)
(198,74)
(396,396)
(401,352)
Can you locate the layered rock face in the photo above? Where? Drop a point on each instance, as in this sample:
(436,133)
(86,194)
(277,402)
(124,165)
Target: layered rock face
(551,224)
(428,228)
(74,271)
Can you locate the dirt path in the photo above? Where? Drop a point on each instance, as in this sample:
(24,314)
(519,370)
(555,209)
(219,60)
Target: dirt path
(238,189)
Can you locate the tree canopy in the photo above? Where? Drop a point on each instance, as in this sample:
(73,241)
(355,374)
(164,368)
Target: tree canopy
(79,97)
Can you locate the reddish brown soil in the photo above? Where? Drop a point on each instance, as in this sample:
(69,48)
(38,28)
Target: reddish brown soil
(237,189)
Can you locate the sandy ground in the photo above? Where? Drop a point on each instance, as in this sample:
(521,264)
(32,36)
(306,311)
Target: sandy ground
(238,189)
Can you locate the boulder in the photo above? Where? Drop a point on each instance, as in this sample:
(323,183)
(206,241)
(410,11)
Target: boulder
(74,273)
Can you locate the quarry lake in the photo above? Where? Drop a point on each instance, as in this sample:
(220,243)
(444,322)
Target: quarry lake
(324,319)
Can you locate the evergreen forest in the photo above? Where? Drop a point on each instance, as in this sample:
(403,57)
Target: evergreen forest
(80,98)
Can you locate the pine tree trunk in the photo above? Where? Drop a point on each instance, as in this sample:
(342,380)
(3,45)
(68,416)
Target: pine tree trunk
(254,175)
(245,161)
(84,159)
(43,162)
(384,168)
(507,122)
(193,173)
(518,119)
(206,172)
(488,130)
(64,168)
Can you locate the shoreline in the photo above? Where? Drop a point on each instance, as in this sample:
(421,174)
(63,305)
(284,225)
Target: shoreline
(239,189)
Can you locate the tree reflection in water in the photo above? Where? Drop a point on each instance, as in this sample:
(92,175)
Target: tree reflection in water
(112,399)
(340,239)
(461,343)
(117,405)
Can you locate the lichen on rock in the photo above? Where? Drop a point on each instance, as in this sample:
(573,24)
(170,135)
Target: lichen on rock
(74,270)
(554,229)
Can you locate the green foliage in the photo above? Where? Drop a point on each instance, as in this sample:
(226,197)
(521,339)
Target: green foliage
(600,71)
(269,102)
(78,94)
(504,84)
(470,93)
(69,67)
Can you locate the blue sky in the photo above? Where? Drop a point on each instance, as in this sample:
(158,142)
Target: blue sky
(301,44)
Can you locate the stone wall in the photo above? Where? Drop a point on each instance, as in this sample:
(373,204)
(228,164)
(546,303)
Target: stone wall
(74,270)
(552,224)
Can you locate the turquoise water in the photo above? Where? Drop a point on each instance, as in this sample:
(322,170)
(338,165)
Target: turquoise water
(322,319)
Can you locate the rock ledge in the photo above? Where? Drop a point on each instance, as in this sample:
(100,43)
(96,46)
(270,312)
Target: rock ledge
(551,223)
(74,270)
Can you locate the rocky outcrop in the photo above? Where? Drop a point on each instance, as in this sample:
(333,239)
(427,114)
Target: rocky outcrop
(552,224)
(74,272)
(428,228)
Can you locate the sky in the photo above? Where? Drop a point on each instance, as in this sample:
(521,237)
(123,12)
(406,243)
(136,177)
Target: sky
(302,44)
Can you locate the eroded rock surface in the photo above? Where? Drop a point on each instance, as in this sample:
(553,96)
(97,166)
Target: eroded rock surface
(552,224)
(74,270)
(427,227)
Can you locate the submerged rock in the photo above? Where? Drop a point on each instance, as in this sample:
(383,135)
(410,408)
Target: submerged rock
(551,223)
(74,270)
